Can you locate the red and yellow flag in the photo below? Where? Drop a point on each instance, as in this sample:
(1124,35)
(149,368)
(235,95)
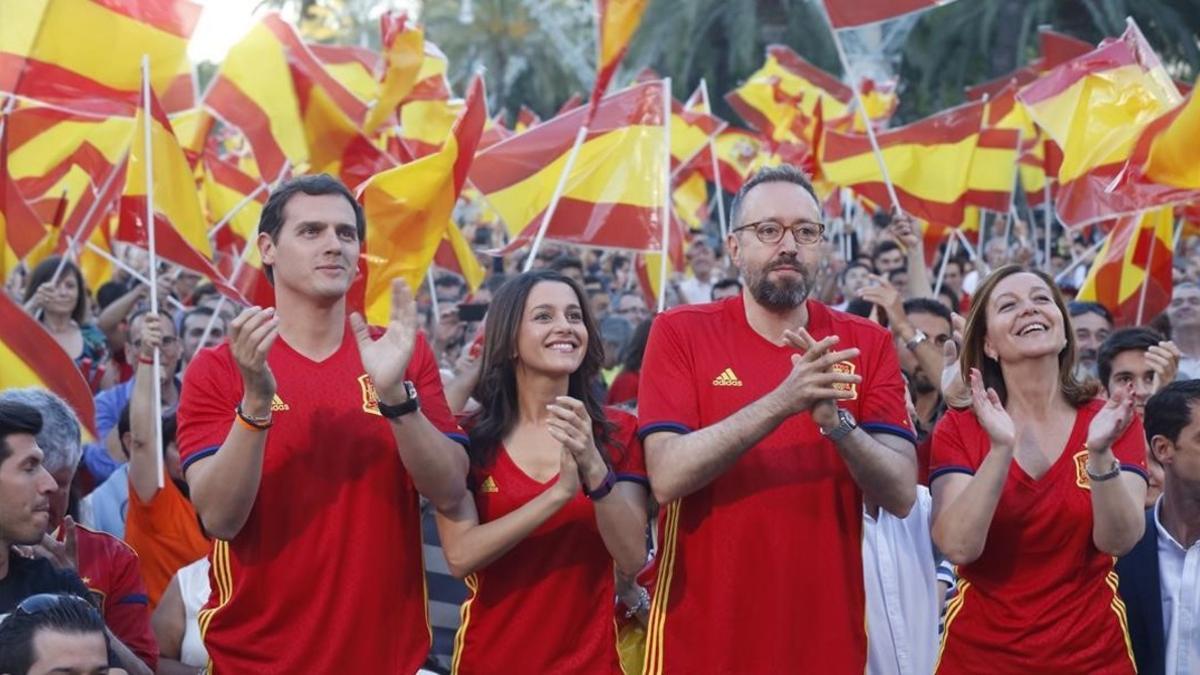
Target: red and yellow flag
(615,194)
(692,126)
(29,357)
(780,99)
(937,165)
(1095,107)
(404,51)
(409,207)
(740,153)
(1172,146)
(616,22)
(353,67)
(526,119)
(1137,253)
(86,54)
(20,227)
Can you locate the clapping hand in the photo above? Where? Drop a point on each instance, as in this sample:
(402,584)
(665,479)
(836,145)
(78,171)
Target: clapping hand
(386,359)
(1112,420)
(991,413)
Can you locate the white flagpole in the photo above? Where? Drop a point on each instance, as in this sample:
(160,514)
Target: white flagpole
(212,231)
(664,264)
(949,253)
(147,120)
(556,196)
(433,300)
(716,169)
(862,110)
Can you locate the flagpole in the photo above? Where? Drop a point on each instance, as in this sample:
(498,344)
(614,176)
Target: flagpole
(1049,223)
(136,275)
(937,286)
(1149,269)
(862,110)
(433,300)
(666,209)
(966,244)
(73,239)
(212,231)
(147,141)
(716,169)
(556,196)
(1087,255)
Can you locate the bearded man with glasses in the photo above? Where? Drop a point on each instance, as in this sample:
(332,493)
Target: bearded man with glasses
(768,419)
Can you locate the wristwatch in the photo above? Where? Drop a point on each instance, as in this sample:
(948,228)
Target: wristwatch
(401,409)
(917,338)
(1113,471)
(846,424)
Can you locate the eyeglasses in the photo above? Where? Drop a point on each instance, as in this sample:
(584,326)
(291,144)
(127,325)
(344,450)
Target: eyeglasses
(805,232)
(1179,302)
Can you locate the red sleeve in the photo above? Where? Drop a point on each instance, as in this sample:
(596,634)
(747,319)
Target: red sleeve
(624,388)
(127,607)
(423,372)
(882,408)
(952,451)
(628,461)
(212,389)
(667,395)
(1130,448)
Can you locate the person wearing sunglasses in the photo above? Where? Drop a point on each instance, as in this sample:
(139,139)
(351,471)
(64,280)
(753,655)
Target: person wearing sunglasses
(54,634)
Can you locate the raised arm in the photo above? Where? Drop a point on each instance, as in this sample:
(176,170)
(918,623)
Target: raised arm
(1118,521)
(224,485)
(680,464)
(143,464)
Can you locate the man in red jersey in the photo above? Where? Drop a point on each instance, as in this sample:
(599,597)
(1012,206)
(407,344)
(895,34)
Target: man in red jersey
(305,440)
(767,419)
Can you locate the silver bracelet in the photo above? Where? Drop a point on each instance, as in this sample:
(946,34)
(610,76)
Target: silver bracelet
(642,604)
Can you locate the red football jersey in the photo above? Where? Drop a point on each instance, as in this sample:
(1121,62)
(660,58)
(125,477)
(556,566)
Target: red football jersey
(1041,588)
(545,606)
(109,569)
(326,575)
(761,569)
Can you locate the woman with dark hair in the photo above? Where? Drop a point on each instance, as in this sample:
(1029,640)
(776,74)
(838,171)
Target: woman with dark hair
(558,492)
(64,310)
(624,386)
(1037,488)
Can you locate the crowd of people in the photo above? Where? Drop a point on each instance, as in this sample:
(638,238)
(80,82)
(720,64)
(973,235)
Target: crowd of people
(829,454)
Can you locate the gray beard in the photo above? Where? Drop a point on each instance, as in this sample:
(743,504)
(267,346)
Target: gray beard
(782,296)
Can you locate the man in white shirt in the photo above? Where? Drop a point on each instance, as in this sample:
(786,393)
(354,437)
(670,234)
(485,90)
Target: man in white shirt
(1184,315)
(698,288)
(1160,577)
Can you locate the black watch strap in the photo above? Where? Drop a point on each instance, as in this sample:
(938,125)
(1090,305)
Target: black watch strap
(399,410)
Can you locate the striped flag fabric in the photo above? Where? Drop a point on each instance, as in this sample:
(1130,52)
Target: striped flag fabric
(409,207)
(854,13)
(616,22)
(29,357)
(692,126)
(21,229)
(404,52)
(780,99)
(740,152)
(85,55)
(615,194)
(1095,107)
(1136,253)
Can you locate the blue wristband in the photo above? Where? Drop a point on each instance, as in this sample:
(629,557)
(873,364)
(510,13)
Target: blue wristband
(602,490)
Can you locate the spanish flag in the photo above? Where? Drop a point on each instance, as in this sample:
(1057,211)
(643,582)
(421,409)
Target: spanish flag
(854,13)
(408,209)
(780,98)
(181,232)
(336,144)
(231,194)
(404,50)
(615,194)
(1171,147)
(692,126)
(20,227)
(29,357)
(1137,252)
(526,119)
(46,144)
(424,124)
(431,78)
(353,67)
(455,254)
(1095,107)
(740,153)
(689,197)
(937,165)
(616,22)
(86,54)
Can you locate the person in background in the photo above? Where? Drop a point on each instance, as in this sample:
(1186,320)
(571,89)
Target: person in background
(952,279)
(106,565)
(558,493)
(1141,358)
(1092,324)
(54,634)
(726,288)
(569,266)
(1184,316)
(176,621)
(450,289)
(1037,487)
(855,276)
(632,308)
(1158,578)
(624,387)
(703,262)
(191,332)
(600,302)
(888,256)
(62,307)
(615,334)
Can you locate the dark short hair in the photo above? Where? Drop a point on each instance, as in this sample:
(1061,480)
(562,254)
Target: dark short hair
(197,311)
(271,220)
(562,262)
(1079,308)
(882,247)
(44,272)
(17,418)
(62,613)
(927,306)
(897,272)
(954,299)
(852,265)
(722,284)
(1170,410)
(1123,340)
(784,173)
(449,280)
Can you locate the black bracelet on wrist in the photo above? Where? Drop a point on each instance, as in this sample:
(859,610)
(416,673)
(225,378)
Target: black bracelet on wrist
(260,423)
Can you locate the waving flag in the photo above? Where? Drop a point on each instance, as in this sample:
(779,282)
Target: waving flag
(404,50)
(408,208)
(854,13)
(739,154)
(1136,253)
(616,22)
(615,194)
(20,228)
(86,54)
(780,98)
(692,126)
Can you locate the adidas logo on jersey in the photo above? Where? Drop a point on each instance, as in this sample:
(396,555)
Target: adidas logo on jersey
(727,379)
(489,485)
(277,404)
